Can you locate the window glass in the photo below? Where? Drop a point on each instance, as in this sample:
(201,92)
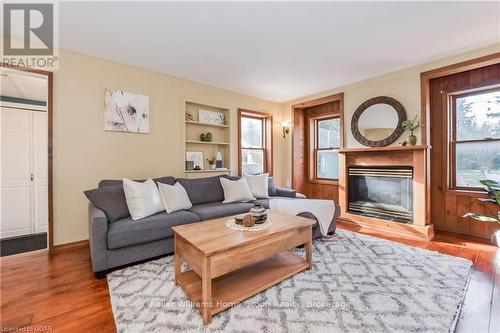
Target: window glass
(252,161)
(251,132)
(476,161)
(329,133)
(478,116)
(328,164)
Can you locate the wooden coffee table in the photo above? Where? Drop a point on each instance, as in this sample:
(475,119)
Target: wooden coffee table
(228,266)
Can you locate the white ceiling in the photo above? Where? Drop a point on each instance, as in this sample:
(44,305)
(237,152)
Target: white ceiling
(276,50)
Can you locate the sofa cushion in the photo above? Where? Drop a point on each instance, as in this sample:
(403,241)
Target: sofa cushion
(143,198)
(259,185)
(203,190)
(271,188)
(114,182)
(236,190)
(127,232)
(174,197)
(215,210)
(111,200)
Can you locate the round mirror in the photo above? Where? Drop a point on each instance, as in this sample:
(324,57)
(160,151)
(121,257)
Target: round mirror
(377,122)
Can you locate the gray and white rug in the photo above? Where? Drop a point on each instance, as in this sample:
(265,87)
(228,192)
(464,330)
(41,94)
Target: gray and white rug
(358,284)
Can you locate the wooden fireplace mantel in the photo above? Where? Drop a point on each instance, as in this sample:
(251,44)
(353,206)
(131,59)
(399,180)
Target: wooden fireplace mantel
(412,156)
(387,148)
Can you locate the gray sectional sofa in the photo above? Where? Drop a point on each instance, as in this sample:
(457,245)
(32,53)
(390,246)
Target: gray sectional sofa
(116,240)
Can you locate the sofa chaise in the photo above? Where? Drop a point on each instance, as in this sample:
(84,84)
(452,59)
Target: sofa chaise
(117,240)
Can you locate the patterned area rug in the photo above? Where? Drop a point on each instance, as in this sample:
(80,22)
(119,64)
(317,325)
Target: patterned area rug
(358,284)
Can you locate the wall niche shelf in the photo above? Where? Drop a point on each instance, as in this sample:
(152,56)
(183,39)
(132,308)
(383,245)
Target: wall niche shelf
(208,171)
(194,142)
(193,128)
(191,122)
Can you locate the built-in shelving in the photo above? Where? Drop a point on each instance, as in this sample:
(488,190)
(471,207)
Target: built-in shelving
(221,139)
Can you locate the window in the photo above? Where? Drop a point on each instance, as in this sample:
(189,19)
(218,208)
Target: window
(475,139)
(326,150)
(255,142)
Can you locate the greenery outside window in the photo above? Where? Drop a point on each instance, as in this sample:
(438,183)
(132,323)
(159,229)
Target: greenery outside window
(475,138)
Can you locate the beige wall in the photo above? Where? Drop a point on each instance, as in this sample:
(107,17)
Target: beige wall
(84,153)
(403,85)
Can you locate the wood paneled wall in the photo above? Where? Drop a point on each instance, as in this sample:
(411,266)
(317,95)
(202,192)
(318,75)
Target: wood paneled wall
(448,205)
(301,150)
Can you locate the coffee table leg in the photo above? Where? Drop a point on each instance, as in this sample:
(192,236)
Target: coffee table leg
(177,263)
(206,281)
(308,247)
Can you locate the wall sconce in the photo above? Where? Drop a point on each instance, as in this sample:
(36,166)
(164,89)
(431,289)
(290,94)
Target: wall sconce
(286,127)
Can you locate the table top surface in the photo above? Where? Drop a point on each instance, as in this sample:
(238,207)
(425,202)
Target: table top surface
(213,236)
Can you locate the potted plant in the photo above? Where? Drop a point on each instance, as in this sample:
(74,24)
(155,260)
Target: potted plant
(411,125)
(223,119)
(211,162)
(493,188)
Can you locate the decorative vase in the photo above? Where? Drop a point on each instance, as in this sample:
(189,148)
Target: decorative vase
(259,213)
(239,219)
(203,137)
(218,160)
(208,137)
(412,139)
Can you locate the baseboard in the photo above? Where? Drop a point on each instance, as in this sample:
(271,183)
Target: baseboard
(69,246)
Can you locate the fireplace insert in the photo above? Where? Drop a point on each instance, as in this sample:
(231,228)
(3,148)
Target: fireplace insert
(382,192)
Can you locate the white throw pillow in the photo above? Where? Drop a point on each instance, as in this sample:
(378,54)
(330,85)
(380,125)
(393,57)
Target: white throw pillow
(236,190)
(259,185)
(174,197)
(143,199)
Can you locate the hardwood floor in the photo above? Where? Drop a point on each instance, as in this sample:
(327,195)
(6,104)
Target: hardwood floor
(59,293)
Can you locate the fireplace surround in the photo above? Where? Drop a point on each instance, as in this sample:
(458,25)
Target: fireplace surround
(384,192)
(363,167)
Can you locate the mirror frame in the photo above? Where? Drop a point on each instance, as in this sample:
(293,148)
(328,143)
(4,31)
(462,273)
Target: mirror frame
(398,131)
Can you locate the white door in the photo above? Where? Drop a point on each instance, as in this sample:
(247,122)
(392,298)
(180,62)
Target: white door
(24,206)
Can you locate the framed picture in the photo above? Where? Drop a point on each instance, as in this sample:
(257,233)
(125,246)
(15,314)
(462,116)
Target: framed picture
(197,158)
(126,112)
(210,117)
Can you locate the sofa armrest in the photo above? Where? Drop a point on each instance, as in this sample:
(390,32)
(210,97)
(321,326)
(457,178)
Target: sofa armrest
(98,239)
(286,192)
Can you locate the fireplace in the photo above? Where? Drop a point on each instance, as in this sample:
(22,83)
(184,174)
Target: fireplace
(381,192)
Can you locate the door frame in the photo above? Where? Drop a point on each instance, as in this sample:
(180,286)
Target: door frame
(50,94)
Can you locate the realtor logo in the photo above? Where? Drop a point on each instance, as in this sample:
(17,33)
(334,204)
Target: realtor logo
(30,35)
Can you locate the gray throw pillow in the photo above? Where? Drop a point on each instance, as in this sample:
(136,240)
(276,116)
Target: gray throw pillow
(111,200)
(271,188)
(203,190)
